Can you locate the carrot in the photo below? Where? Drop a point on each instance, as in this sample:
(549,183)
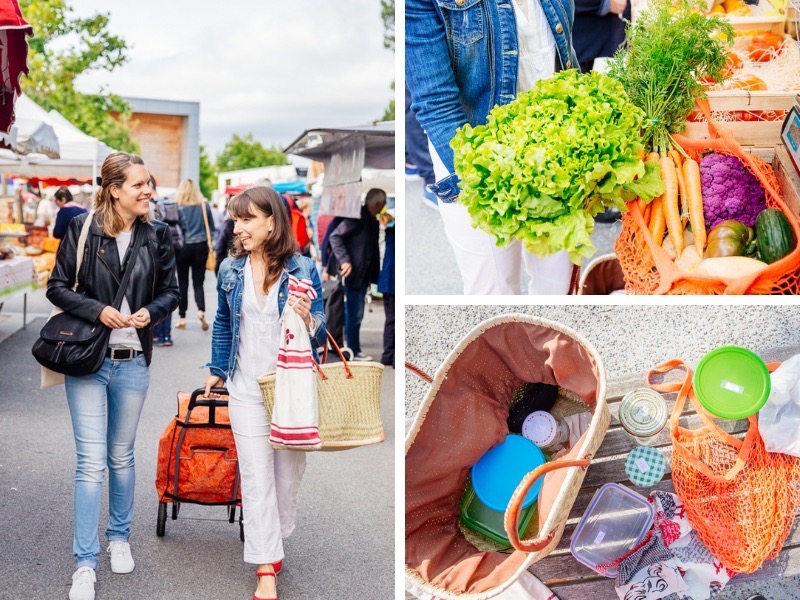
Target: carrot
(652,156)
(669,203)
(681,185)
(694,200)
(648,210)
(641,154)
(658,223)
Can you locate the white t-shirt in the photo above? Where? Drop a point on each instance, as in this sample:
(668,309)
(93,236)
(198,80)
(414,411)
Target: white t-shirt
(537,57)
(124,337)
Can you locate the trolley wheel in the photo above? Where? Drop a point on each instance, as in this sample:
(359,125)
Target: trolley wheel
(232,514)
(161,524)
(348,354)
(176,507)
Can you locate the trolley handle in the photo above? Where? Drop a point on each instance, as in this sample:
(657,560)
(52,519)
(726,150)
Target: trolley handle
(198,399)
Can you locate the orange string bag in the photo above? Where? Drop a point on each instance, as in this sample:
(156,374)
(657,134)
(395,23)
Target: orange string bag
(647,268)
(740,499)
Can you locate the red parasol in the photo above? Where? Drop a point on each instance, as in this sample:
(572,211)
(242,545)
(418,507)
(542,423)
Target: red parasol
(13,58)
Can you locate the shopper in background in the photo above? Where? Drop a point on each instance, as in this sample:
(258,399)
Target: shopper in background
(67,210)
(105,406)
(166,209)
(192,257)
(460,62)
(253,291)
(599,29)
(354,243)
(418,157)
(386,287)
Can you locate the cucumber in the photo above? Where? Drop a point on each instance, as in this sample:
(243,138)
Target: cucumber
(774,235)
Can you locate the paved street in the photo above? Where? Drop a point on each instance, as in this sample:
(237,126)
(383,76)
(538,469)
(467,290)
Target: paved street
(430,263)
(343,546)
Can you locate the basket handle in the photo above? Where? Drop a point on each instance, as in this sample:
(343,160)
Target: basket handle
(574,280)
(318,367)
(511,519)
(419,372)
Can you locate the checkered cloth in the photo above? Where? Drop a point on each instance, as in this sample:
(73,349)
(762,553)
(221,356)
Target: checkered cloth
(645,466)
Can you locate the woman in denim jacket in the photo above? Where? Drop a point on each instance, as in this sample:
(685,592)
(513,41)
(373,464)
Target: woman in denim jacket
(253,289)
(463,57)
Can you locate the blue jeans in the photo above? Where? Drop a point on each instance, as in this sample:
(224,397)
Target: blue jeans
(105,409)
(353,314)
(162,331)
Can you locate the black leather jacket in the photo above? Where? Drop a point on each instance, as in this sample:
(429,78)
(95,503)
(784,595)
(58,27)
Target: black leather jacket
(153,283)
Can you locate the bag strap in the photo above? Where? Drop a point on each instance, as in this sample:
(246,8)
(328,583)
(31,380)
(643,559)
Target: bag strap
(685,391)
(347,372)
(81,246)
(134,253)
(205,221)
(511,518)
(419,372)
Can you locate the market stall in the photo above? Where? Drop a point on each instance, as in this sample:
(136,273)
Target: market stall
(17,276)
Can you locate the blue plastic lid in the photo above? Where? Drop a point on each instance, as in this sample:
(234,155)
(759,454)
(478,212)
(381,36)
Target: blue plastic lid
(498,472)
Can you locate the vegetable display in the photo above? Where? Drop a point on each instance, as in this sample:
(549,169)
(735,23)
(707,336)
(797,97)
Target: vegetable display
(671,48)
(730,191)
(545,164)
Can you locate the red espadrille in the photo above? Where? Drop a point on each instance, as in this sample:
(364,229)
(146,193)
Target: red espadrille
(265,575)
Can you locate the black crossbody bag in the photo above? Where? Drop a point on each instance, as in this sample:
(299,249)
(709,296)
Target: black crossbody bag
(73,346)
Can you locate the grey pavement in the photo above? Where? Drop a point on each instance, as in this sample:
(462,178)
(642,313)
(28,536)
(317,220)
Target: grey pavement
(630,340)
(343,546)
(430,263)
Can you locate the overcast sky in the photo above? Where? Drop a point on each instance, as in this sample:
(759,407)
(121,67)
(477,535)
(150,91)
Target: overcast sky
(266,67)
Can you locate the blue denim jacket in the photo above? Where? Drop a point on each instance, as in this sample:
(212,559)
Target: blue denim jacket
(230,283)
(192,224)
(462,59)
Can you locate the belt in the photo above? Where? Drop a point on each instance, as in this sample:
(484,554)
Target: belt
(123,353)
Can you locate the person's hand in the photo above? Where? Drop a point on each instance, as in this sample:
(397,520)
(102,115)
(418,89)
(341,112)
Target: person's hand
(325,276)
(385,218)
(213,381)
(140,319)
(301,304)
(346,269)
(618,6)
(112,318)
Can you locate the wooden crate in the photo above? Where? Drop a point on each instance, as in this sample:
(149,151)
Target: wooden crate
(757,134)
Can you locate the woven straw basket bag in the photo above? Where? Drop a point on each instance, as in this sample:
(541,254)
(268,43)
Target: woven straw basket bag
(463,414)
(349,402)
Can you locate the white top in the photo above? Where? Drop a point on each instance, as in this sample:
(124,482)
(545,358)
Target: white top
(124,337)
(537,58)
(259,337)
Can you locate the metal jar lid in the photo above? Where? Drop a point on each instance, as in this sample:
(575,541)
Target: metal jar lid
(643,412)
(541,428)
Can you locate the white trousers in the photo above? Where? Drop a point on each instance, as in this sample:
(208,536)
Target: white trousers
(270,481)
(488,269)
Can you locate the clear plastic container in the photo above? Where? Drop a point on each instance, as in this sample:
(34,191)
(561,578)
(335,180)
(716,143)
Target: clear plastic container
(478,517)
(615,521)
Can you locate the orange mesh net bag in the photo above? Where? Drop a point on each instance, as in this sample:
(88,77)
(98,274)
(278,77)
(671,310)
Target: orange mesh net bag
(648,270)
(740,499)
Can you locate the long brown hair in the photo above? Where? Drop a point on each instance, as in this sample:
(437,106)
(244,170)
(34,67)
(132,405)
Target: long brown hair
(113,173)
(279,245)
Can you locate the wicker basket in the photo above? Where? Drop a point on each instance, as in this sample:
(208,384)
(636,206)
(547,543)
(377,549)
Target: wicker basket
(349,403)
(602,276)
(462,416)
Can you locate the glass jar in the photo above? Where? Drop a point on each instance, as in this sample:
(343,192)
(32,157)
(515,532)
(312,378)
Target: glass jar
(643,414)
(544,430)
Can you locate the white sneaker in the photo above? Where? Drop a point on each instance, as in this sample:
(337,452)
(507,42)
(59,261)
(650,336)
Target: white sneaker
(362,356)
(83,584)
(121,559)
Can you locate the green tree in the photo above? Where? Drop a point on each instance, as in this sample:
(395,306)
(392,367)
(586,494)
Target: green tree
(208,173)
(387,14)
(244,152)
(62,48)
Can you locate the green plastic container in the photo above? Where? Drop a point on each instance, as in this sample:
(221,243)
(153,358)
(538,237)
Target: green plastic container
(731,382)
(480,518)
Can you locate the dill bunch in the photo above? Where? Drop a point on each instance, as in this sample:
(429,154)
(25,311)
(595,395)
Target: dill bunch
(672,46)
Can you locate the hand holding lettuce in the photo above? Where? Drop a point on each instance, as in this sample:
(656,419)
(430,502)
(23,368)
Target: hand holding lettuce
(544,165)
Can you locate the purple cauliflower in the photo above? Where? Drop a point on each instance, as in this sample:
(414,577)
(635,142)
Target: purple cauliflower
(730,191)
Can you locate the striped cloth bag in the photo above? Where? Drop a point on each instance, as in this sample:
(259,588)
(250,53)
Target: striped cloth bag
(295,416)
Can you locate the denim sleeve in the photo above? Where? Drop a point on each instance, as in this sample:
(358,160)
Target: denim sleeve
(430,78)
(221,335)
(320,335)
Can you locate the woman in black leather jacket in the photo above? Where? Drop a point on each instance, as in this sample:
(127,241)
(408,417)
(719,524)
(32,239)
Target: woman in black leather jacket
(105,406)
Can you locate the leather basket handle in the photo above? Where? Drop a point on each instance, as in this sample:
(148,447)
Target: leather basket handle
(348,372)
(510,521)
(419,372)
